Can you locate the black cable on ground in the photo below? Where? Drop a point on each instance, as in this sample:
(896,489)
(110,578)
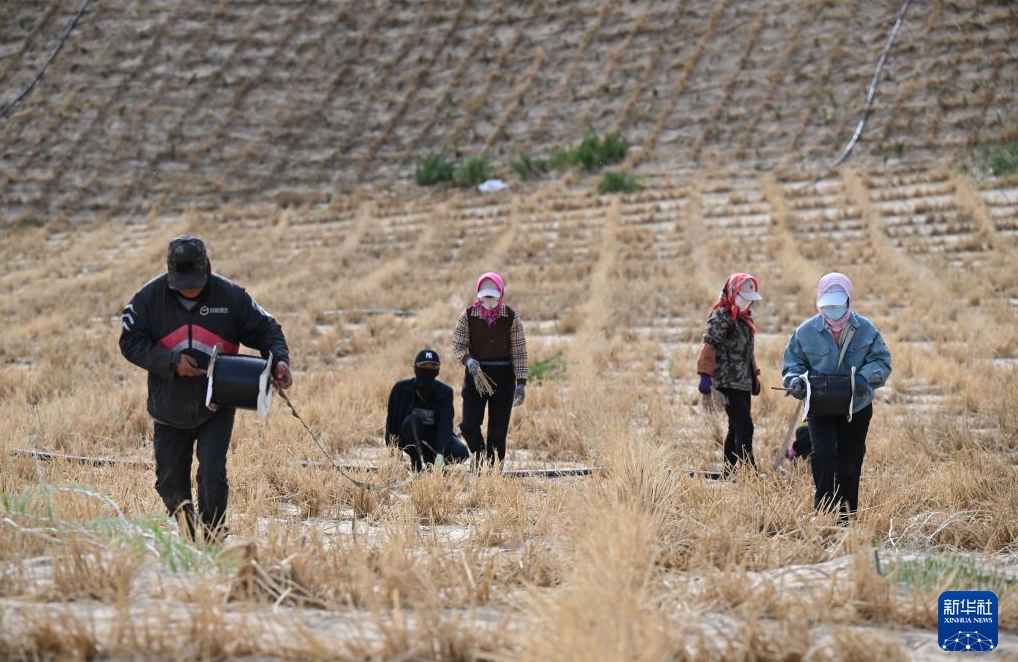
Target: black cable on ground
(318,442)
(871,92)
(52,56)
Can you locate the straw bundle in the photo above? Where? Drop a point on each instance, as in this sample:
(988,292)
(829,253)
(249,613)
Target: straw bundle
(714,402)
(483,383)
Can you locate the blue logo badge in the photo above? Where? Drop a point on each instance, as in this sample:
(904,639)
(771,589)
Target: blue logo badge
(967,620)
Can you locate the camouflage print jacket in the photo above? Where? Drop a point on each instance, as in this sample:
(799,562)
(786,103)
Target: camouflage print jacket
(727,352)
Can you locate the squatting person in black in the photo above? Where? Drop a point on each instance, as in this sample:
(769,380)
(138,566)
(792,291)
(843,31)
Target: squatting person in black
(420,414)
(170,329)
(489,337)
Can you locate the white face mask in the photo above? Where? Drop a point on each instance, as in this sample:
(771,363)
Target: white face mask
(834,312)
(742,302)
(489,302)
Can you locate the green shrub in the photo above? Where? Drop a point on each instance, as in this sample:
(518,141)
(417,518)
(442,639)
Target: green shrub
(615,182)
(471,172)
(613,148)
(435,168)
(561,158)
(527,166)
(588,154)
(592,153)
(1002,159)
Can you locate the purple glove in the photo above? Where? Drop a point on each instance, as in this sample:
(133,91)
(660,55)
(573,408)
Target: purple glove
(704,384)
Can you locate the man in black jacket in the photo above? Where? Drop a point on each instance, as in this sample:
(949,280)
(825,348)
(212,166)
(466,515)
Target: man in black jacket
(170,329)
(420,413)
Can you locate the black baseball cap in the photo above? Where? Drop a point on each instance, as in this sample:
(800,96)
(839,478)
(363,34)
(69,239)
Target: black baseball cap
(427,356)
(187,264)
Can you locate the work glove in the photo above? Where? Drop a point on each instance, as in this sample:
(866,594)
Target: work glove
(756,385)
(519,395)
(473,367)
(704,386)
(797,388)
(862,386)
(439,462)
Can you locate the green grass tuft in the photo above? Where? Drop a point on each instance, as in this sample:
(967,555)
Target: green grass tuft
(527,167)
(1002,159)
(562,158)
(592,153)
(471,172)
(440,169)
(553,367)
(948,572)
(616,182)
(435,169)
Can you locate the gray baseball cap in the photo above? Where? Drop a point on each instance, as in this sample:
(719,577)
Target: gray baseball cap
(187,263)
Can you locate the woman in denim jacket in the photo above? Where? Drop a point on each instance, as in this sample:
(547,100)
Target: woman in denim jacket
(839,442)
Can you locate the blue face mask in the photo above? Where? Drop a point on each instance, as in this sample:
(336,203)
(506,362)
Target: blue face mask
(834,312)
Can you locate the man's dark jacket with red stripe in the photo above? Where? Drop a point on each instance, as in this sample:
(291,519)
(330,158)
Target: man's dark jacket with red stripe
(158,328)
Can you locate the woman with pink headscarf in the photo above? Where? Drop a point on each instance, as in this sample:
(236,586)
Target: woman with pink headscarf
(837,342)
(727,363)
(489,338)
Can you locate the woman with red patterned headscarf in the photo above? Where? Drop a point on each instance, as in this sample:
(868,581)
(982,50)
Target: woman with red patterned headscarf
(727,363)
(489,341)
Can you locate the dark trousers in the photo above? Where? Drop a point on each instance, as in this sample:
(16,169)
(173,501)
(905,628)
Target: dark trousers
(499,406)
(838,449)
(739,440)
(418,441)
(173,453)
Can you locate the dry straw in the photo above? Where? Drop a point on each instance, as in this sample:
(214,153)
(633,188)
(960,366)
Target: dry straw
(642,560)
(483,383)
(714,402)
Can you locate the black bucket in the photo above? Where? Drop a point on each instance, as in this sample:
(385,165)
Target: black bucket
(830,395)
(238,380)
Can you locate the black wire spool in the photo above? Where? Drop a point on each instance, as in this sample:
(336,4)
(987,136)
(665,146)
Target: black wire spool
(238,380)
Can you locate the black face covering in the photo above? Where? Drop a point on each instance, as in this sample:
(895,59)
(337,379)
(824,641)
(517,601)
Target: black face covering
(425,378)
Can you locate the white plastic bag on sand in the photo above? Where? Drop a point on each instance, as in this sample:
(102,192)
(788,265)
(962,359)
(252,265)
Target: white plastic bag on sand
(492,186)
